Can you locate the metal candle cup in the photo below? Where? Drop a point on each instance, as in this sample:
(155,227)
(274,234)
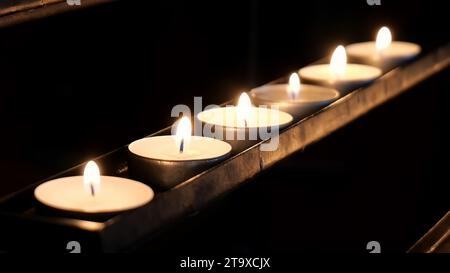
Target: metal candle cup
(338,74)
(157,162)
(395,55)
(309,99)
(77,196)
(243,135)
(383,52)
(357,75)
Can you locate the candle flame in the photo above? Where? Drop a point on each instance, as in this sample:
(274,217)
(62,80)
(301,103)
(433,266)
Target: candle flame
(338,63)
(384,39)
(244,109)
(91,178)
(293,88)
(183,133)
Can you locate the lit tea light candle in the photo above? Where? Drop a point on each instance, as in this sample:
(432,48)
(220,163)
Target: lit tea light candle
(239,125)
(295,98)
(165,161)
(383,52)
(339,74)
(93,194)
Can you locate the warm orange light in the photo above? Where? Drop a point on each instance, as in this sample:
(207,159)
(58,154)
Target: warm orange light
(91,178)
(183,133)
(244,108)
(338,63)
(293,88)
(384,39)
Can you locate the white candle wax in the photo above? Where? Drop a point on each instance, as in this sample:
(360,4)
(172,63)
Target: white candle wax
(388,58)
(259,117)
(338,74)
(355,75)
(165,148)
(383,52)
(116,194)
(159,161)
(243,125)
(308,99)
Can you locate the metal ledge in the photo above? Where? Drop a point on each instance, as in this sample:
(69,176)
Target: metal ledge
(14,12)
(436,240)
(22,222)
(198,191)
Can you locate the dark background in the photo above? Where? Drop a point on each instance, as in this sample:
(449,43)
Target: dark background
(80,84)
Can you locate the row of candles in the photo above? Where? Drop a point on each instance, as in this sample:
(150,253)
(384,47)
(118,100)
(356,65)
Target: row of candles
(164,161)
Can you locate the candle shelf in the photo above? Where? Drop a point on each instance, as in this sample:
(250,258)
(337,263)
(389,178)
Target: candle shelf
(18,11)
(25,226)
(436,240)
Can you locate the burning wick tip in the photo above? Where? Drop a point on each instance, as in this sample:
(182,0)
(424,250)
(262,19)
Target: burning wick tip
(182,146)
(92,190)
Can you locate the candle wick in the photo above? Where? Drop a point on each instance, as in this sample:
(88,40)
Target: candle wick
(92,190)
(182,145)
(245,123)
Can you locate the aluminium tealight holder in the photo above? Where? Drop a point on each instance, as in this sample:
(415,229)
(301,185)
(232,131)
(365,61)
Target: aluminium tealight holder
(310,99)
(163,174)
